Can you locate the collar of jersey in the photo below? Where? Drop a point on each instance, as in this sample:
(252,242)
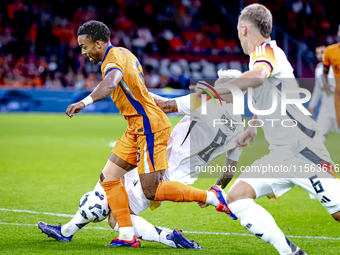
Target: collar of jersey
(107,51)
(272,42)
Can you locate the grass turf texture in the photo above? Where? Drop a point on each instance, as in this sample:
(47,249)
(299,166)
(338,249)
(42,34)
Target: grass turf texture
(47,162)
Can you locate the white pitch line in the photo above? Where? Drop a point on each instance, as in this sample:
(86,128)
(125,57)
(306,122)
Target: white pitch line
(36,225)
(17,224)
(163,228)
(33,212)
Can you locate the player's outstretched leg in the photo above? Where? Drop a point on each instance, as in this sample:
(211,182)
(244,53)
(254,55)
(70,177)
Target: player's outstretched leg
(181,241)
(179,192)
(148,232)
(257,220)
(123,243)
(222,199)
(64,233)
(118,199)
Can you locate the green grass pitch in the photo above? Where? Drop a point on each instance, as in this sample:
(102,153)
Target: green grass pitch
(48,161)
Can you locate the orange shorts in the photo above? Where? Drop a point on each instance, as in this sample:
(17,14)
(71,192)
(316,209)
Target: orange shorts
(147,152)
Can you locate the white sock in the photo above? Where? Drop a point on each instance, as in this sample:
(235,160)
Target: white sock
(77,222)
(146,231)
(212,199)
(126,233)
(99,187)
(259,221)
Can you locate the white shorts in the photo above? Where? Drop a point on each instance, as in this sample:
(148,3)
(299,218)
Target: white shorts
(318,183)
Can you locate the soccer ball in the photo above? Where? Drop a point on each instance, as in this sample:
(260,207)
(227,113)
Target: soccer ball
(93,206)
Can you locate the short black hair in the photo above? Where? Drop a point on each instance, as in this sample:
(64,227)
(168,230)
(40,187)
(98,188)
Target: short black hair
(95,30)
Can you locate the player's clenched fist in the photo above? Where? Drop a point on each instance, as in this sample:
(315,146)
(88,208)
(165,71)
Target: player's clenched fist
(74,108)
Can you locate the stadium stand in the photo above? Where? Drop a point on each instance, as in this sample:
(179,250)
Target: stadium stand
(174,40)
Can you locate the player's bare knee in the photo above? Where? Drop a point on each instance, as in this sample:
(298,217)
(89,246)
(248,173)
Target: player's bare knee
(150,193)
(232,195)
(150,190)
(150,182)
(240,190)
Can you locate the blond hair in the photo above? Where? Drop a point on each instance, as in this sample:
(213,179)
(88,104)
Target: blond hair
(260,17)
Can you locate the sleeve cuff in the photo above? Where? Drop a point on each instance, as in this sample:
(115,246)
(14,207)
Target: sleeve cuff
(183,105)
(111,69)
(264,64)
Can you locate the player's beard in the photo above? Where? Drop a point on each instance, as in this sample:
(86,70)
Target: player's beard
(96,61)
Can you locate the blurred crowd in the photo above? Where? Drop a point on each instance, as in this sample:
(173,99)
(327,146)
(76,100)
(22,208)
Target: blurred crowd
(312,21)
(38,42)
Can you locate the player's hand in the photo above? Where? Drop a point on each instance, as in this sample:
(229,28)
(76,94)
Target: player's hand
(169,106)
(74,108)
(250,134)
(202,205)
(311,110)
(198,88)
(327,88)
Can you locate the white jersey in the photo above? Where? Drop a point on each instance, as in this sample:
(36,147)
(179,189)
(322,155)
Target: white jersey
(327,102)
(288,141)
(199,139)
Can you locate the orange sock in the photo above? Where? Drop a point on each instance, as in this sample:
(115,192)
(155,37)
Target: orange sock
(118,201)
(179,192)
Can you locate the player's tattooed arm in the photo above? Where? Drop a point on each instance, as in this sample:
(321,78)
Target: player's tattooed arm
(167,105)
(225,177)
(102,91)
(158,99)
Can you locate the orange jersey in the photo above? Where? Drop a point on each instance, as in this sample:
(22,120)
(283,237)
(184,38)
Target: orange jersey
(332,58)
(131,96)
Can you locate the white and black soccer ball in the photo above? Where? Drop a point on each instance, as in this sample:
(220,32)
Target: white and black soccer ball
(93,206)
